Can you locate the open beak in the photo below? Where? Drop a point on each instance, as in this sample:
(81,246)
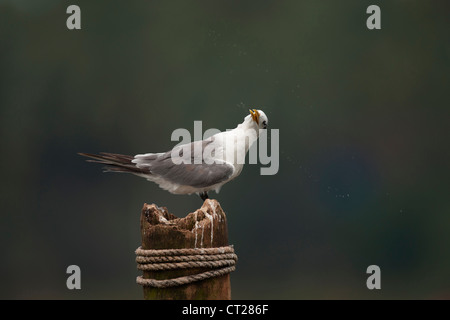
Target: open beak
(255,115)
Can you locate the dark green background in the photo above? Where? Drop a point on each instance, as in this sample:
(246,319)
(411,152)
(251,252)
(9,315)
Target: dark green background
(363,119)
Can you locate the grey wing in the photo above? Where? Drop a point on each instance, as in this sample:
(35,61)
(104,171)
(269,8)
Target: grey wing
(189,174)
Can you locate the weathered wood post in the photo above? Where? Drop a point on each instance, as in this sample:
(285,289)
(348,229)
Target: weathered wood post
(204,228)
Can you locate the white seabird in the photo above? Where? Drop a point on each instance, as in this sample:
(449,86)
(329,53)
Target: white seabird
(196,167)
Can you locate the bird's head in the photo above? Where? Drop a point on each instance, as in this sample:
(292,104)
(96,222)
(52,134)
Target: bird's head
(259,118)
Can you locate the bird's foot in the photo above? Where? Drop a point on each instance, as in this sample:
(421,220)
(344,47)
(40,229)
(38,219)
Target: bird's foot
(204,195)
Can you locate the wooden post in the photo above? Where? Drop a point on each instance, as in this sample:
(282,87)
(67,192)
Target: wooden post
(204,228)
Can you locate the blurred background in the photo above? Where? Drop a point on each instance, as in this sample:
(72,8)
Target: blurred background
(363,119)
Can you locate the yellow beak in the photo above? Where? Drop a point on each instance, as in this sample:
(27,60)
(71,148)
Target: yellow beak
(255,115)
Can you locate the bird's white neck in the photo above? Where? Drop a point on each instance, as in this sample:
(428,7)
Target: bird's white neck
(248,124)
(248,128)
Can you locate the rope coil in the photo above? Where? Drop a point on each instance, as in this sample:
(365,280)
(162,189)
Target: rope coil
(171,259)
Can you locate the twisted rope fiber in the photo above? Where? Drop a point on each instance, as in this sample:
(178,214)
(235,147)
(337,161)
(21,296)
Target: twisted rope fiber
(176,252)
(171,259)
(142,259)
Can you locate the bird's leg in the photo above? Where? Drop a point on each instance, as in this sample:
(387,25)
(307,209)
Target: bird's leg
(204,195)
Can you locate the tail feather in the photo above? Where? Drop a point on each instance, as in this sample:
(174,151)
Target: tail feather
(115,162)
